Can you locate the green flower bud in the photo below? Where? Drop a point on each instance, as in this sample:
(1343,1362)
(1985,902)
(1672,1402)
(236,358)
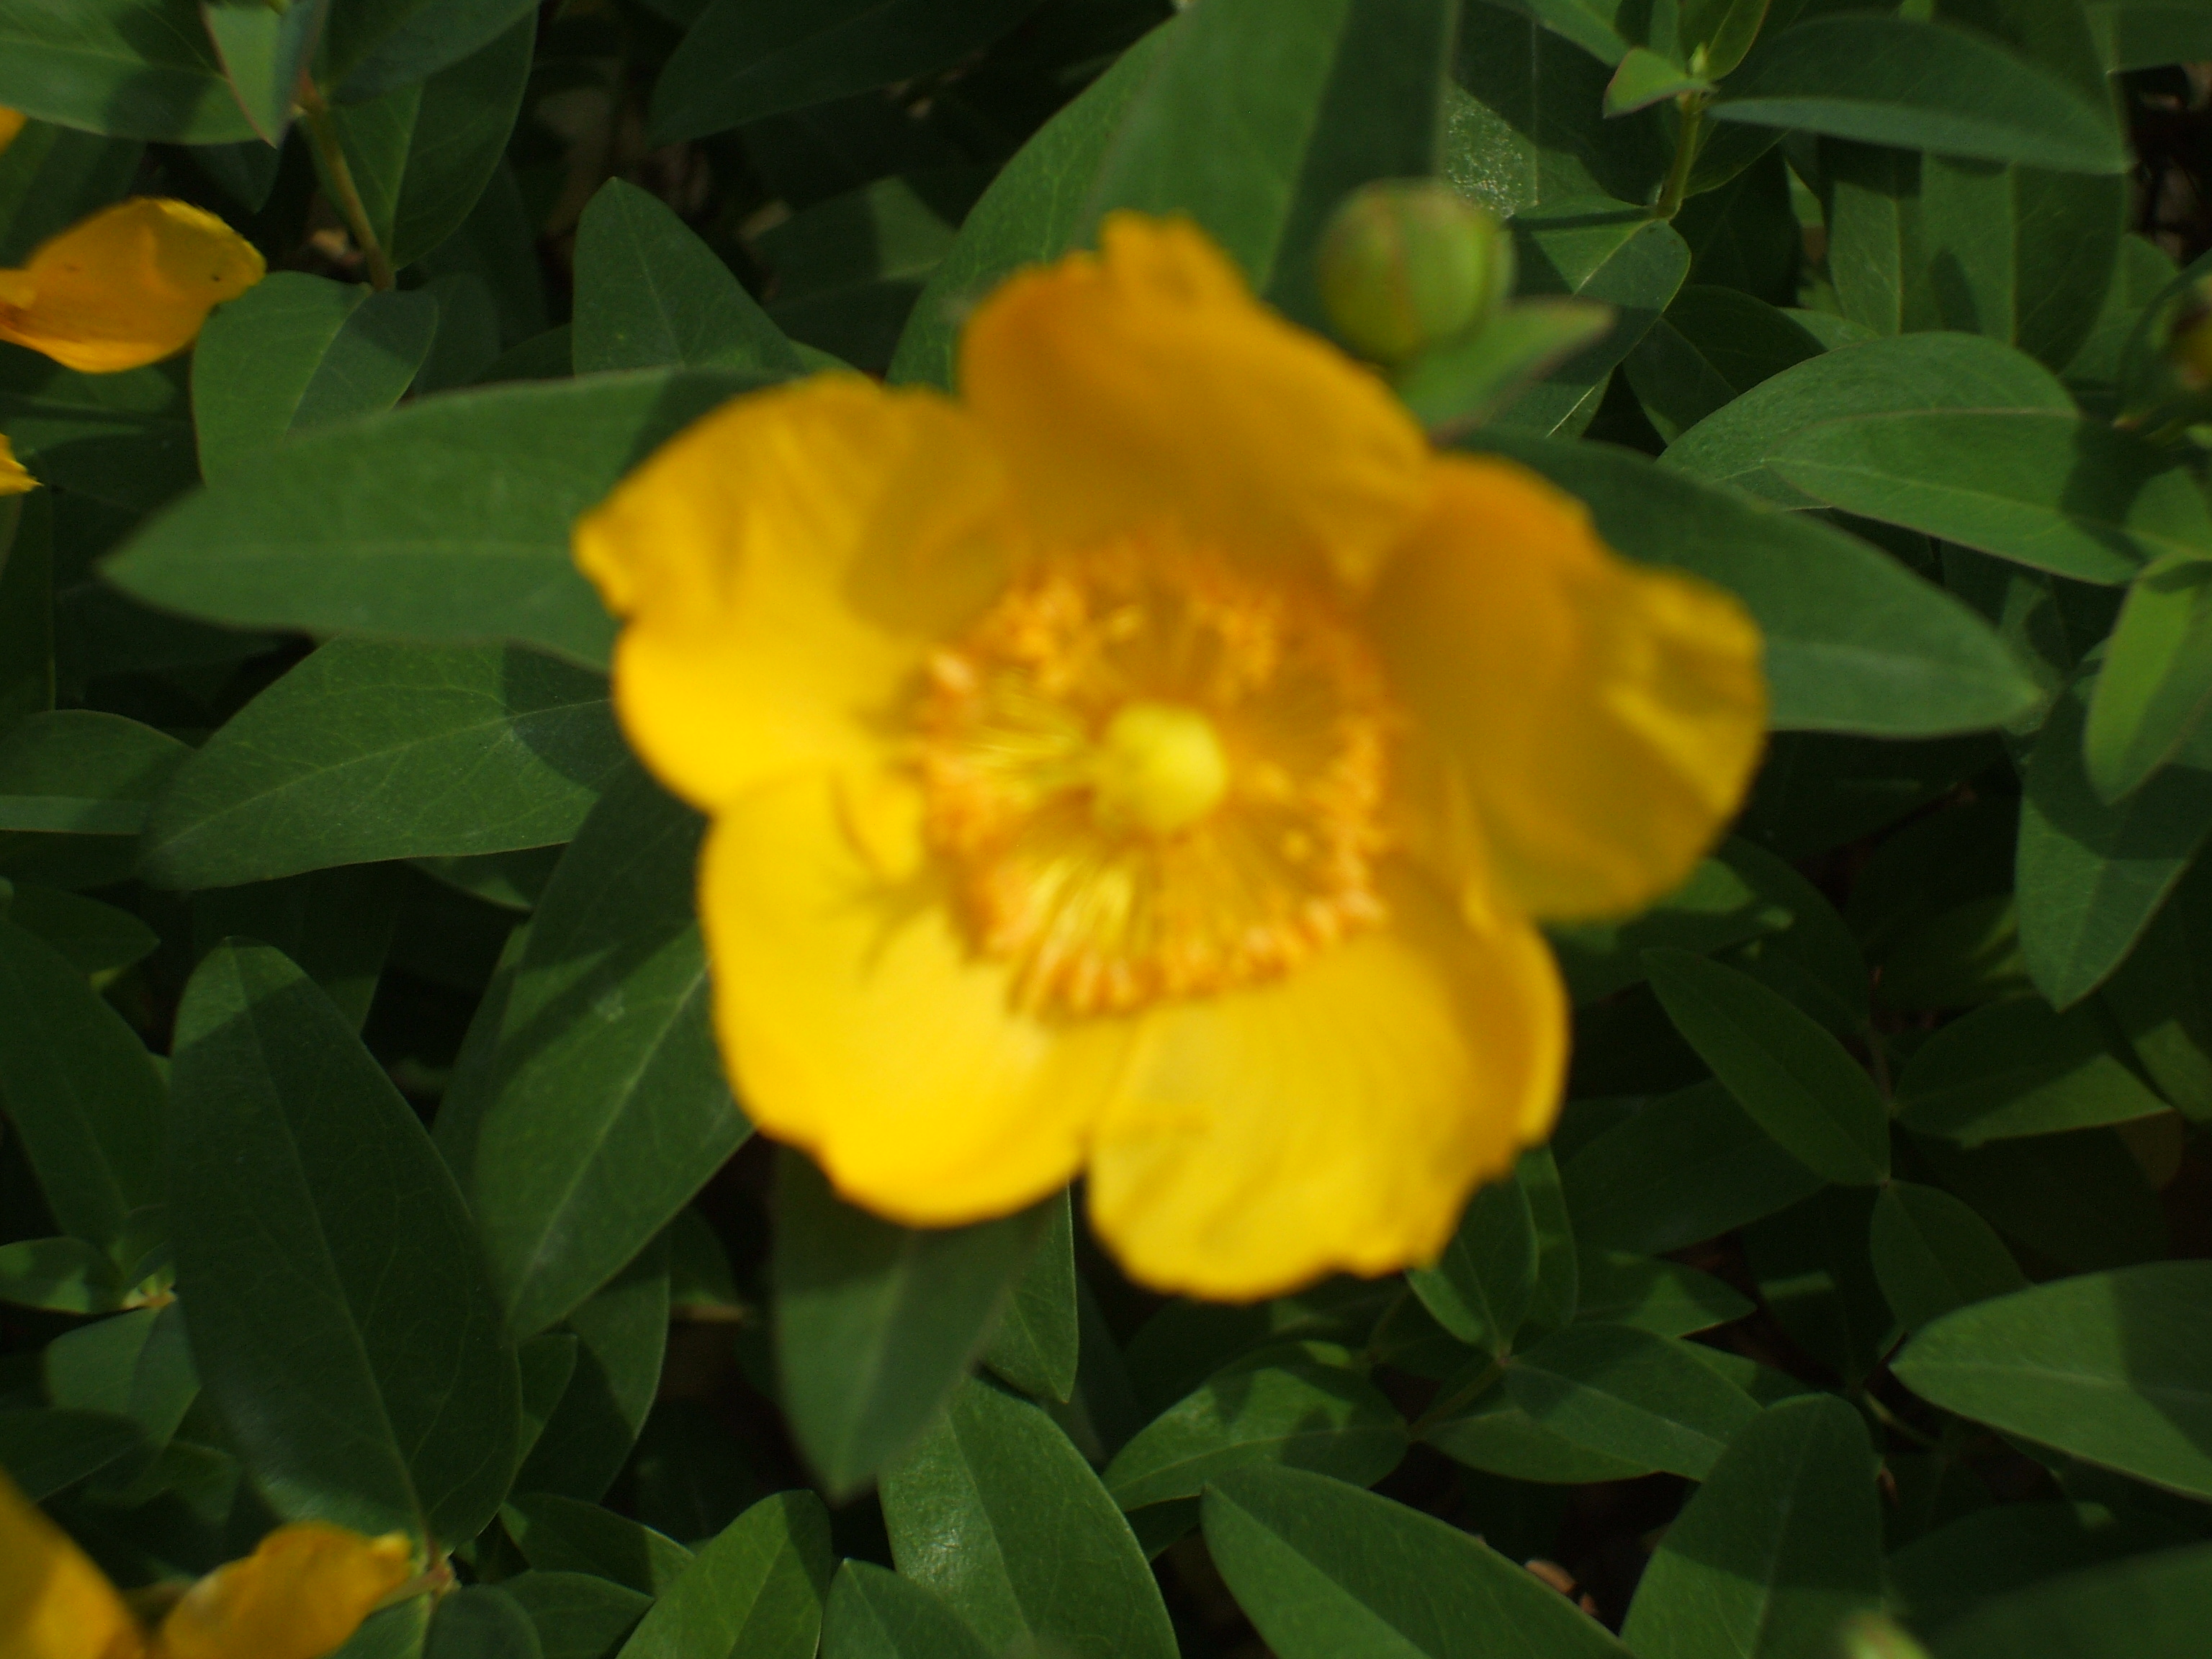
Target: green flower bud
(1408,263)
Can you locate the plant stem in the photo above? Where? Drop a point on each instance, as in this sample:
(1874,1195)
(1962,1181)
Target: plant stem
(322,133)
(1693,106)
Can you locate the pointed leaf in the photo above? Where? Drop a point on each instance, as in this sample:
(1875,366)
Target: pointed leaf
(340,1318)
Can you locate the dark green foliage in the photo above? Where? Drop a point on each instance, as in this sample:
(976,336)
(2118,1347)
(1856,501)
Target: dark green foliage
(368,1155)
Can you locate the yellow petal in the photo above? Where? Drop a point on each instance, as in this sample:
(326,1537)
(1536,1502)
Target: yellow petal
(129,286)
(300,1595)
(15,477)
(1145,383)
(859,1026)
(11,123)
(783,564)
(1337,1118)
(1593,724)
(54,1603)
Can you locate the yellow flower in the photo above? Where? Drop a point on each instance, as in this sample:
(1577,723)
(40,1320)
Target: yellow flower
(1154,765)
(15,477)
(11,123)
(127,286)
(299,1595)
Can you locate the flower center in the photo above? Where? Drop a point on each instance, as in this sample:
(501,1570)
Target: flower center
(1155,776)
(1160,769)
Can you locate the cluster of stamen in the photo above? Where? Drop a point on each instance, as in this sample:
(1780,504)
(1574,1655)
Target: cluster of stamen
(1155,776)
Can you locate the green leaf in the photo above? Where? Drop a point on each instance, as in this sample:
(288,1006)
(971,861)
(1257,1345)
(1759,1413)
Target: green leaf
(1643,78)
(848,270)
(1854,642)
(1619,256)
(125,439)
(1036,1345)
(1790,1075)
(1257,116)
(1553,1302)
(367,751)
(136,1365)
(98,939)
(1781,1541)
(131,69)
(651,294)
(1596,25)
(1932,1254)
(2134,35)
(2153,1607)
(2114,1368)
(1919,85)
(2017,1068)
(77,771)
(577,1616)
(1685,1167)
(1327,1571)
(876,1323)
(262,49)
(2163,995)
(1525,123)
(336,925)
(743,59)
(1303,1405)
(44,1451)
(875,1614)
(1028,214)
(52,176)
(2079,1199)
(756,1589)
(1477,1422)
(1480,1287)
(422,155)
(566,1535)
(962,1511)
(1468,381)
(1719,905)
(1712,346)
(2020,253)
(317,1239)
(2156,682)
(27,608)
(622,1336)
(374,46)
(2053,492)
(476,546)
(1812,1267)
(2009,1546)
(61,1275)
(295,352)
(2092,873)
(82,1096)
(1913,371)
(1653,1294)
(481,1621)
(604,1106)
(1630,1394)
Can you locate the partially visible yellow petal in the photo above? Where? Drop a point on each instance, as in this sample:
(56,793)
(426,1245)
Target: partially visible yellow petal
(783,564)
(860,1027)
(1589,726)
(1335,1119)
(54,1603)
(300,1595)
(11,123)
(1146,383)
(15,477)
(129,286)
